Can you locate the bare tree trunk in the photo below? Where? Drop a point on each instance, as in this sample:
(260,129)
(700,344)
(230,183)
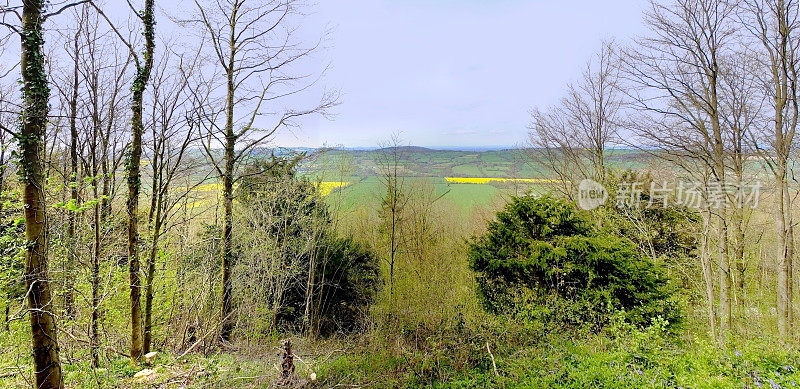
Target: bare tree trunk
(151,271)
(311,284)
(789,255)
(154,212)
(134,159)
(73,181)
(35,91)
(105,209)
(725,313)
(393,248)
(772,24)
(708,274)
(95,335)
(739,224)
(227,191)
(308,314)
(785,245)
(718,149)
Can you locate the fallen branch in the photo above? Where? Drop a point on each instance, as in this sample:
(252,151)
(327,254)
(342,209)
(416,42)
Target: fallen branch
(213,329)
(188,350)
(494,365)
(90,343)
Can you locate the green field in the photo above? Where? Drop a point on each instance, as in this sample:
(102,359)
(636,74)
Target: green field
(429,168)
(465,196)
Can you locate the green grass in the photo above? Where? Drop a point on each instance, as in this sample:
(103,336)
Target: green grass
(370,190)
(362,169)
(466,170)
(631,358)
(428,163)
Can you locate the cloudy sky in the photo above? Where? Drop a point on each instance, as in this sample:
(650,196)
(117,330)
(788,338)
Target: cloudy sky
(451,72)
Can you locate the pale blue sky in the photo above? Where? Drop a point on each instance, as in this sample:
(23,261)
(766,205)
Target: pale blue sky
(452,72)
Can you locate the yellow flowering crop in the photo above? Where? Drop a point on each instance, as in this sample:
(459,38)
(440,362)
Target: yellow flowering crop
(326,187)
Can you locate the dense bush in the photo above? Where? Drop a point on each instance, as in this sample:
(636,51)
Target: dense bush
(294,272)
(351,279)
(542,261)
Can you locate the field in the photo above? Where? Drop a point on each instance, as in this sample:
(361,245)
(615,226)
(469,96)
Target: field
(464,178)
(467,180)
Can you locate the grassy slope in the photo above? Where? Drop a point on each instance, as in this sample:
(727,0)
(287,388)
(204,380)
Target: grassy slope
(638,359)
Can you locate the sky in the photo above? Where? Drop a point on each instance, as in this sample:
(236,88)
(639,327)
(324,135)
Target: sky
(457,73)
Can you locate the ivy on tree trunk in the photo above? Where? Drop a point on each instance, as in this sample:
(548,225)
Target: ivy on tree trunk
(35,93)
(134,177)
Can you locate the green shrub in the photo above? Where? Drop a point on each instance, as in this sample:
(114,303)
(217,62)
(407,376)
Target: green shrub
(540,260)
(351,278)
(293,271)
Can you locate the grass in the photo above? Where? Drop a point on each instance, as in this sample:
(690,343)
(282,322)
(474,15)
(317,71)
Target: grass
(467,179)
(370,190)
(446,358)
(628,358)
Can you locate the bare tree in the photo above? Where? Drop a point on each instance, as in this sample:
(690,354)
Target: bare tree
(144,65)
(676,73)
(172,133)
(253,46)
(773,27)
(143,68)
(31,139)
(390,164)
(572,139)
(30,136)
(741,104)
(70,94)
(103,73)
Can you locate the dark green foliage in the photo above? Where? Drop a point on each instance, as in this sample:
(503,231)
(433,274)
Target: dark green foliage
(345,275)
(542,261)
(274,184)
(350,277)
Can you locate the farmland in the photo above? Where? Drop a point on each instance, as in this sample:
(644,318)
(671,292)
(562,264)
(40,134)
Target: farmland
(464,178)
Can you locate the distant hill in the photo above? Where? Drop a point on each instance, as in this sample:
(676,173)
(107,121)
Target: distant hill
(407,149)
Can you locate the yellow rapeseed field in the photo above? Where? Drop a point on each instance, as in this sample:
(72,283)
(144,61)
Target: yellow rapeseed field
(326,187)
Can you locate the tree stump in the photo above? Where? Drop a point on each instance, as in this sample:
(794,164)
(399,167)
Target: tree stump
(288,378)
